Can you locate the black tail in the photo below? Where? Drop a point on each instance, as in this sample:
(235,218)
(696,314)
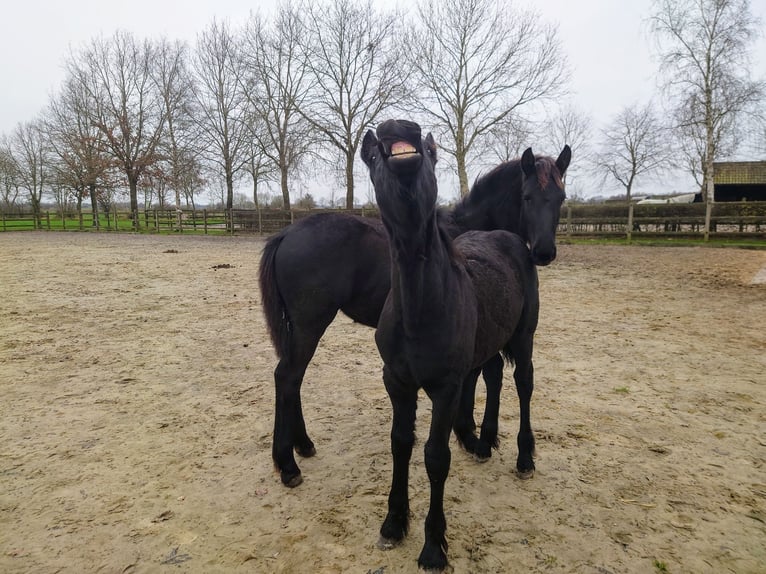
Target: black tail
(274,309)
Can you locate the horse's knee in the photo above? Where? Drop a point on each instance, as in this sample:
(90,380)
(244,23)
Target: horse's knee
(437,459)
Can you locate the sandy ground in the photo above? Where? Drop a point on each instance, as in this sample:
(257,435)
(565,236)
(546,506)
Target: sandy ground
(136,413)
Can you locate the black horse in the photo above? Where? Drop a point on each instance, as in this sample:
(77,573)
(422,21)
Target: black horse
(453,305)
(334,261)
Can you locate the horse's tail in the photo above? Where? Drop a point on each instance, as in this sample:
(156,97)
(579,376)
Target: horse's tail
(274,309)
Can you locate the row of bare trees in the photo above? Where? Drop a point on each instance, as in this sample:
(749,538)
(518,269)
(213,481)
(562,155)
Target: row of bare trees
(713,102)
(160,120)
(277,93)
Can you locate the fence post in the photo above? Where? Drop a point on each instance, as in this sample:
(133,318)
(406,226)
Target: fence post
(569,220)
(48,219)
(708,213)
(630,222)
(204,219)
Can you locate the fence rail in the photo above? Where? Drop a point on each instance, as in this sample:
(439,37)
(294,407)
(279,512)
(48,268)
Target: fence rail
(631,220)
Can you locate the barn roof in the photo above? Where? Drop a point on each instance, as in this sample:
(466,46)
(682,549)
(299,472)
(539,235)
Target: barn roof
(740,172)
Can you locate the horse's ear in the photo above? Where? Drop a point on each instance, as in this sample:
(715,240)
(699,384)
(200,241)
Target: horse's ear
(369,147)
(562,163)
(431,145)
(528,162)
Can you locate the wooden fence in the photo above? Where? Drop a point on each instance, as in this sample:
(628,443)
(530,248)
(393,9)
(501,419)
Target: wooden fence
(681,219)
(741,219)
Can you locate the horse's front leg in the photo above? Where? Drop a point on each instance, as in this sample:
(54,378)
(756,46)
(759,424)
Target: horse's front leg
(524,375)
(444,399)
(404,402)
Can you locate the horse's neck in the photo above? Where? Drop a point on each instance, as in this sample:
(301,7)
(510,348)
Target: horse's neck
(494,202)
(421,271)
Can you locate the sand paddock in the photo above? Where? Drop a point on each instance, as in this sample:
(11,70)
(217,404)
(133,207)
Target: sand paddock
(136,418)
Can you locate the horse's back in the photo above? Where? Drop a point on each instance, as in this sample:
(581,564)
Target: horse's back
(331,261)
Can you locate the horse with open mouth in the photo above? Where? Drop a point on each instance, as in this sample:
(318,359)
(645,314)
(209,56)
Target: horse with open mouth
(453,305)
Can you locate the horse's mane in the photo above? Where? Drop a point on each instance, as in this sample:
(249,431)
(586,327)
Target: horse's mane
(508,176)
(485,187)
(492,194)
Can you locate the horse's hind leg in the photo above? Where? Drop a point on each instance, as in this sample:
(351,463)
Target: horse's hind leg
(465,426)
(492,372)
(289,425)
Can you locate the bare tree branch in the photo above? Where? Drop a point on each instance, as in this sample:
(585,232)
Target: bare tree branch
(704,48)
(478,61)
(634,144)
(350,53)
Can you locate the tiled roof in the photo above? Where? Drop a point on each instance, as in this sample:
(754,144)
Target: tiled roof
(740,172)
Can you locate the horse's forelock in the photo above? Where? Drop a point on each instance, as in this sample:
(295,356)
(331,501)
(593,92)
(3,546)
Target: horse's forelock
(546,168)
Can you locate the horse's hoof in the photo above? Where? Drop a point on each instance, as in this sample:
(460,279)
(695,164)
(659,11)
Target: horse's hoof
(436,563)
(525,474)
(477,457)
(291,480)
(386,543)
(306,452)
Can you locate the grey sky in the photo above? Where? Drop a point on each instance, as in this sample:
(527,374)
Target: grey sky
(605,41)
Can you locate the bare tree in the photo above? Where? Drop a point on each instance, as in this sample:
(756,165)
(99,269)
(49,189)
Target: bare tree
(173,78)
(704,46)
(220,103)
(356,74)
(82,164)
(634,144)
(276,83)
(478,61)
(508,138)
(124,102)
(572,126)
(31,156)
(259,166)
(9,181)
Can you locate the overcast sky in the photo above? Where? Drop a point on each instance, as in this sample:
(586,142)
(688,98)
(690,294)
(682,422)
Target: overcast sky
(606,43)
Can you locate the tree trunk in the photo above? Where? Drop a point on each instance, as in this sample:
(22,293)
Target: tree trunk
(94,206)
(229,189)
(709,175)
(285,191)
(133,182)
(462,174)
(350,181)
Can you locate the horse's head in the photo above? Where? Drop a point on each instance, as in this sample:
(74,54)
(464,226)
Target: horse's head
(542,197)
(402,167)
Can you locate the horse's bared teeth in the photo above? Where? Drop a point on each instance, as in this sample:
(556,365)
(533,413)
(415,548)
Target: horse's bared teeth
(400,148)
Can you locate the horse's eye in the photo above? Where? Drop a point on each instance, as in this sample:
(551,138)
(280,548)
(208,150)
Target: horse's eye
(527,198)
